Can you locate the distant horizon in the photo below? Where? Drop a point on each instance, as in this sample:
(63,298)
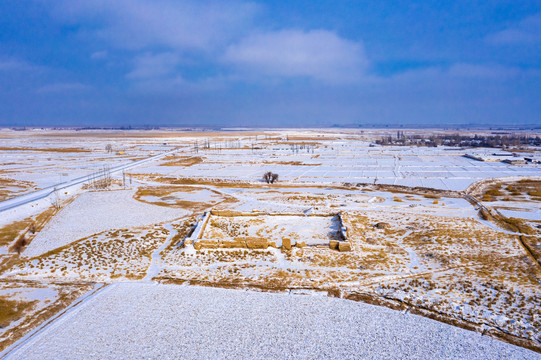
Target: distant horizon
(263,128)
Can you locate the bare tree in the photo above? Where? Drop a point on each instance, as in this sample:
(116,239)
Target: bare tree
(270,177)
(55,201)
(109,148)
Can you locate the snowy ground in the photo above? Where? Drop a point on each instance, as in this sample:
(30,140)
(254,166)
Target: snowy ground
(353,162)
(43,159)
(141,321)
(94,212)
(433,251)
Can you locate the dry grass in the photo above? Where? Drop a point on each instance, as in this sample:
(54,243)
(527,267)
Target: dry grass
(441,241)
(19,234)
(534,244)
(161,191)
(419,191)
(11,232)
(12,310)
(182,160)
(109,255)
(293,163)
(231,183)
(19,244)
(184,229)
(305,199)
(11,187)
(522,190)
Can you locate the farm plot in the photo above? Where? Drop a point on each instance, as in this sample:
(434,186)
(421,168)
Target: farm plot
(119,254)
(95,212)
(353,162)
(43,162)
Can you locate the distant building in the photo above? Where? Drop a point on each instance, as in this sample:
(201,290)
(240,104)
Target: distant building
(517,161)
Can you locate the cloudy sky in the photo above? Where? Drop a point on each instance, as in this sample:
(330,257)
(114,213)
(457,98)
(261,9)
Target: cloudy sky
(270,63)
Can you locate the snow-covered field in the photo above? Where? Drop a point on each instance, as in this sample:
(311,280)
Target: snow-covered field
(102,257)
(424,248)
(94,212)
(142,321)
(353,162)
(46,158)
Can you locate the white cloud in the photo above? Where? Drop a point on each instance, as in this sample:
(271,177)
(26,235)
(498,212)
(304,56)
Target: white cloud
(527,31)
(180,25)
(164,36)
(151,65)
(317,54)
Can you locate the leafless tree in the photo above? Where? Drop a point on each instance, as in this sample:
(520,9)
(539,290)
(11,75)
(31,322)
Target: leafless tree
(55,201)
(270,177)
(109,148)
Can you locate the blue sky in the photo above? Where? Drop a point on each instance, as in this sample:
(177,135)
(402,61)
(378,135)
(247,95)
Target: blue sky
(270,63)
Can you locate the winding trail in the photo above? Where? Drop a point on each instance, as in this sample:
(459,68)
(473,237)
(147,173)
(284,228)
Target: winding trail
(156,258)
